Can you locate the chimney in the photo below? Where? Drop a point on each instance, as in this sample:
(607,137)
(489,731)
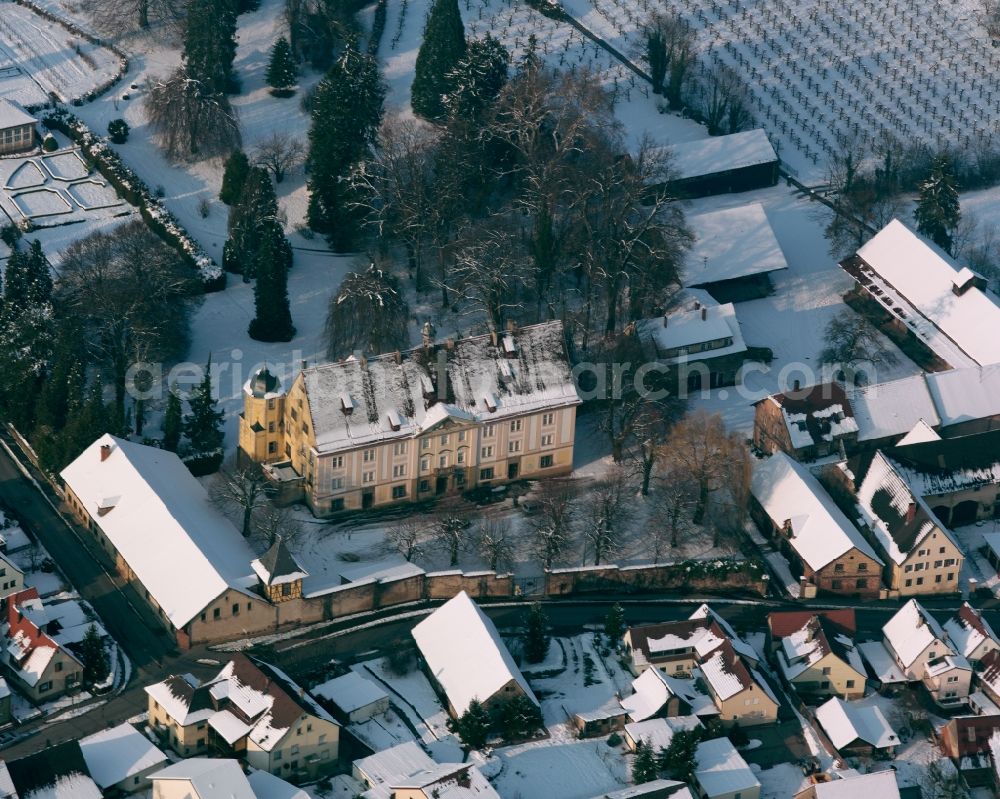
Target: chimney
(105,452)
(697,304)
(305,364)
(665,320)
(796,386)
(511,326)
(449,343)
(493,337)
(397,356)
(911,512)
(704,314)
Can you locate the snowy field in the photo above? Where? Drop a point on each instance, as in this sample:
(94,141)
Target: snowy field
(39,59)
(818,70)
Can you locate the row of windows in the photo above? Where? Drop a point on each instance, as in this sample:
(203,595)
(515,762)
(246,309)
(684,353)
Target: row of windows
(919,567)
(937,579)
(217,612)
(839,567)
(11,135)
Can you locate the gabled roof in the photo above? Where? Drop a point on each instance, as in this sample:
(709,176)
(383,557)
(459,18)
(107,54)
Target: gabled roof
(731,243)
(893,408)
(267,786)
(847,723)
(660,731)
(921,279)
(808,645)
(674,334)
(119,753)
(920,433)
(210,777)
(877,785)
(163,524)
(728,675)
(446,640)
(721,154)
(704,611)
(278,565)
(28,649)
(183,698)
(524,371)
(650,692)
(910,631)
(350,692)
(967,629)
(12,115)
(963,395)
(720,770)
(814,414)
(943,466)
(57,772)
(821,532)
(989,674)
(785,622)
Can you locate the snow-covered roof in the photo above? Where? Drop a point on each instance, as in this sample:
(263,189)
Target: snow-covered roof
(989,674)
(968,629)
(910,631)
(821,532)
(846,723)
(380,770)
(13,116)
(54,772)
(920,433)
(350,692)
(720,770)
(657,787)
(884,410)
(807,646)
(447,640)
(963,395)
(650,692)
(176,695)
(894,511)
(877,785)
(815,414)
(689,327)
(119,753)
(485,382)
(659,732)
(945,663)
(721,154)
(704,611)
(899,262)
(731,243)
(883,664)
(728,675)
(210,777)
(278,565)
(267,786)
(165,527)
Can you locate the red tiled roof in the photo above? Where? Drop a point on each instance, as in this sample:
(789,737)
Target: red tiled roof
(786,622)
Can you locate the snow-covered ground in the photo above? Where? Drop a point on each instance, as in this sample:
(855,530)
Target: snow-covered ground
(562,771)
(970,538)
(817,70)
(39,59)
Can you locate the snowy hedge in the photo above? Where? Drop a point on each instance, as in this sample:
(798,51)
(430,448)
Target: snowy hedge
(135,191)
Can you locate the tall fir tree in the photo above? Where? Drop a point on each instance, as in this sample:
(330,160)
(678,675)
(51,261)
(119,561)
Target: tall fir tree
(938,213)
(256,209)
(644,768)
(536,636)
(346,113)
(203,424)
(94,656)
(210,45)
(234,176)
(477,79)
(273,318)
(473,726)
(173,421)
(282,72)
(441,50)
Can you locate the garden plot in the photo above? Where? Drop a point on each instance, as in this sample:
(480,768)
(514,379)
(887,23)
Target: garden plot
(26,176)
(40,203)
(821,71)
(67,165)
(39,59)
(93,194)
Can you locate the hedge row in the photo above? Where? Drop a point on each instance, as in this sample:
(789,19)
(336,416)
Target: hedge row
(135,191)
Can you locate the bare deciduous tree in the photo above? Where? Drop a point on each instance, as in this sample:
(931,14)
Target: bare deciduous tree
(700,445)
(368,313)
(121,16)
(608,509)
(674,501)
(244,489)
(407,538)
(279,154)
(451,534)
(190,121)
(495,544)
(725,102)
(552,524)
(271,522)
(852,339)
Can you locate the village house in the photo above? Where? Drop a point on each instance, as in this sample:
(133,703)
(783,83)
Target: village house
(987,679)
(121,759)
(445,639)
(656,694)
(927,295)
(857,729)
(405,771)
(723,164)
(921,555)
(252,711)
(785,622)
(971,634)
(11,577)
(742,695)
(351,698)
(213,778)
(824,547)
(849,785)
(699,341)
(39,667)
(440,419)
(734,254)
(818,659)
(17,128)
(967,741)
(807,424)
(55,772)
(924,653)
(658,732)
(721,773)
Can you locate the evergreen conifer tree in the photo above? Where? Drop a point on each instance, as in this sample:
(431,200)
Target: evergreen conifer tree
(614,624)
(203,424)
(256,209)
(346,114)
(234,176)
(536,638)
(273,319)
(477,79)
(173,420)
(473,726)
(938,212)
(443,46)
(282,72)
(210,45)
(94,657)
(644,766)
